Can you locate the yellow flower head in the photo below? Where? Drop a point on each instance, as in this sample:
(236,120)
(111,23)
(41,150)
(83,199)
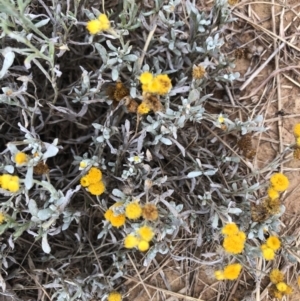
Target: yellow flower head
(267,252)
(143,109)
(114,296)
(273,242)
(84,181)
(219,275)
(93,26)
(298,141)
(94,175)
(133,210)
(279,182)
(83,164)
(146,233)
(5,179)
(146,78)
(150,212)
(2,218)
(21,158)
(221,119)
(276,276)
(297,130)
(13,186)
(103,19)
(230,229)
(163,83)
(118,220)
(281,286)
(97,188)
(234,243)
(131,241)
(143,245)
(273,194)
(232,271)
(108,214)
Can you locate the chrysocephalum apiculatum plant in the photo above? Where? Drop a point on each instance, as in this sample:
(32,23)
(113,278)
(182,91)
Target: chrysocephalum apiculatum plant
(112,149)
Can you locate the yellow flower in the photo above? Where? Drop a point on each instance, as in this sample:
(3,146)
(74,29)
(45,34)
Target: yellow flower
(131,241)
(83,164)
(297,130)
(279,182)
(133,210)
(219,275)
(5,180)
(108,214)
(84,181)
(232,271)
(221,119)
(105,24)
(273,242)
(143,109)
(146,233)
(93,26)
(273,194)
(234,243)
(276,276)
(114,296)
(118,220)
(96,188)
(281,286)
(298,141)
(230,229)
(267,252)
(150,212)
(94,175)
(2,218)
(13,186)
(21,158)
(143,245)
(161,84)
(146,78)
(14,179)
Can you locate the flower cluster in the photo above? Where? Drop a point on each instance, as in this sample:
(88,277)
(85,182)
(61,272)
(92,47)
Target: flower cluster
(118,212)
(98,25)
(10,183)
(93,181)
(230,272)
(270,247)
(114,296)
(234,240)
(159,84)
(140,239)
(279,287)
